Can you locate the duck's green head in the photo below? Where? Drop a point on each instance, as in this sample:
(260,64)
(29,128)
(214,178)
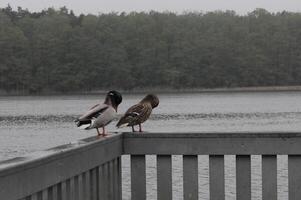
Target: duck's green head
(115,97)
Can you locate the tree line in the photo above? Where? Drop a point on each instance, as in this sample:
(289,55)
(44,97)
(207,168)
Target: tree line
(58,51)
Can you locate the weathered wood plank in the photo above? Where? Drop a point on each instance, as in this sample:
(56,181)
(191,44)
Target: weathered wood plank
(59,191)
(55,195)
(80,187)
(164,177)
(64,190)
(92,184)
(269,177)
(115,179)
(119,178)
(216,177)
(138,177)
(75,188)
(110,180)
(22,177)
(45,194)
(294,177)
(34,197)
(86,185)
(50,195)
(190,177)
(106,179)
(243,177)
(40,195)
(68,190)
(101,186)
(28,198)
(97,182)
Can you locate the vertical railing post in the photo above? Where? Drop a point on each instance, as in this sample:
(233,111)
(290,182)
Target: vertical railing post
(101,185)
(190,177)
(216,177)
(164,177)
(76,188)
(93,185)
(138,177)
(117,179)
(269,177)
(294,177)
(50,193)
(59,191)
(243,177)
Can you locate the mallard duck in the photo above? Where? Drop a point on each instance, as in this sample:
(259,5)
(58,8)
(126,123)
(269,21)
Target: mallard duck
(101,114)
(139,113)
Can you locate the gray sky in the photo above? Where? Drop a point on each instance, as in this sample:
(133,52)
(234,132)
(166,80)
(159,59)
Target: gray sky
(97,6)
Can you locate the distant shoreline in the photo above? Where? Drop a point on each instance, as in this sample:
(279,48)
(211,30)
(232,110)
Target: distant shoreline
(209,90)
(168,90)
(255,89)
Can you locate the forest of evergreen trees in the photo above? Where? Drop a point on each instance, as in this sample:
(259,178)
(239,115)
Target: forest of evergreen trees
(58,51)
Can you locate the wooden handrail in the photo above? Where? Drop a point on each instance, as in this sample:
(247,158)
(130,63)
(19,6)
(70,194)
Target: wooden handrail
(91,169)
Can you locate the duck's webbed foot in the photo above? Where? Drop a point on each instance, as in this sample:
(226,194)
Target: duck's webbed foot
(103,134)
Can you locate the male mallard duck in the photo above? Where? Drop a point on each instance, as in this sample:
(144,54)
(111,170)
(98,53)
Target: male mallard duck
(139,113)
(101,114)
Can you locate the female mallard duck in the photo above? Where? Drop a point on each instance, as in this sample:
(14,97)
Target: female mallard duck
(101,114)
(139,113)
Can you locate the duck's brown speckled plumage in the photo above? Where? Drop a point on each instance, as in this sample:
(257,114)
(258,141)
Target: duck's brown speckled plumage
(139,113)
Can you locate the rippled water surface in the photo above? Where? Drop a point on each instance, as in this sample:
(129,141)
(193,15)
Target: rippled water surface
(30,123)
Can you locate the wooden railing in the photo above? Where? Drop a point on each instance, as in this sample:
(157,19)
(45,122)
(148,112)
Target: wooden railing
(91,169)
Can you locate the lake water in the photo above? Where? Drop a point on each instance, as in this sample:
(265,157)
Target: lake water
(30,124)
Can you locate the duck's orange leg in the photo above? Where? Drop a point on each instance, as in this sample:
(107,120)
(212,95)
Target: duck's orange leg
(98,133)
(103,131)
(140,128)
(133,129)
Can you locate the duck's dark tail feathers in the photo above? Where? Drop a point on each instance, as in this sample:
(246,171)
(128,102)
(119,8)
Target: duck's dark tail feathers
(127,119)
(83,123)
(122,123)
